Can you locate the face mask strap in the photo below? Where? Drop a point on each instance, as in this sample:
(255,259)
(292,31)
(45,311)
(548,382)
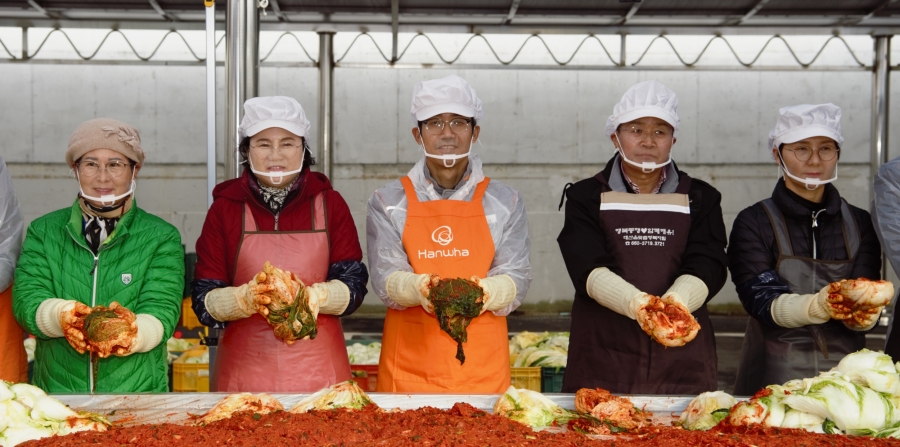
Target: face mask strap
(111,200)
(280,175)
(815,183)
(646,167)
(449,157)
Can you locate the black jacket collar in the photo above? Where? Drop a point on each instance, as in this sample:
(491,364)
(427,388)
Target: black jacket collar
(796,207)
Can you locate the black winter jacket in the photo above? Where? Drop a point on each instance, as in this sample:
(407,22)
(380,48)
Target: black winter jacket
(753,252)
(584,247)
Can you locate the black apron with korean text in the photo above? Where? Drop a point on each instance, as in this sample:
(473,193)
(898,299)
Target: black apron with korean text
(776,355)
(647,234)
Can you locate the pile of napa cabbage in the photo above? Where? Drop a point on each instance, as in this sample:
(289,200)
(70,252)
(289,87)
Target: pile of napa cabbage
(860,396)
(27,413)
(530,349)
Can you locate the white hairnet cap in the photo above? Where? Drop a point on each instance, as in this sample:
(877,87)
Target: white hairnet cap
(648,98)
(445,95)
(264,112)
(795,123)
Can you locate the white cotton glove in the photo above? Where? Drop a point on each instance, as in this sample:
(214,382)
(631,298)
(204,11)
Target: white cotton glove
(49,316)
(499,292)
(864,319)
(149,334)
(791,310)
(690,291)
(410,289)
(614,293)
(232,303)
(870,299)
(666,320)
(329,298)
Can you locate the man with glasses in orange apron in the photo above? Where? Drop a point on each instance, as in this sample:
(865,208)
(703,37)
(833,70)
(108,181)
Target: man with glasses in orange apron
(445,219)
(643,243)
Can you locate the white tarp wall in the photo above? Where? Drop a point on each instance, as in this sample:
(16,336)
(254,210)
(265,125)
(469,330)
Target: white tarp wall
(542,127)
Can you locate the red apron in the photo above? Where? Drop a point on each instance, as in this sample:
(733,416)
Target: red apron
(449,238)
(249,357)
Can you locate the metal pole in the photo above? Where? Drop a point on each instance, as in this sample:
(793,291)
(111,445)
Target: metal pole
(251,60)
(395,27)
(326,102)
(881,93)
(24,43)
(880,103)
(241,66)
(235,42)
(210,99)
(622,50)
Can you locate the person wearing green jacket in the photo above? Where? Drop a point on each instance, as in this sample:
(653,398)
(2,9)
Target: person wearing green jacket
(100,251)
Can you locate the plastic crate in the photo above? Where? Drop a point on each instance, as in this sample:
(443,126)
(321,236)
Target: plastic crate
(552,378)
(185,375)
(203,381)
(188,317)
(526,377)
(366,376)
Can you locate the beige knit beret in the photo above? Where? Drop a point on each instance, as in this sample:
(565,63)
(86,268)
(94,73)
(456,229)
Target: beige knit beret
(105,133)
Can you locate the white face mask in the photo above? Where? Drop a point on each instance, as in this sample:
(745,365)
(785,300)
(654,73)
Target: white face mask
(107,200)
(276,177)
(647,166)
(810,182)
(448,157)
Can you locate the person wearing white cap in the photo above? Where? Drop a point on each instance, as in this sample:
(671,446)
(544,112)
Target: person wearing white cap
(101,252)
(788,253)
(645,264)
(278,211)
(446,220)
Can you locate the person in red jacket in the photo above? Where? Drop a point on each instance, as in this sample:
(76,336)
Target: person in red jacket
(281,212)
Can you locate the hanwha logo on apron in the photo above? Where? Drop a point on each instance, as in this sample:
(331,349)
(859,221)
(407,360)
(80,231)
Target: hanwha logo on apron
(126,278)
(442,235)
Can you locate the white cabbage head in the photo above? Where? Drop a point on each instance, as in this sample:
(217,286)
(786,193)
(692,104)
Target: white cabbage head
(707,410)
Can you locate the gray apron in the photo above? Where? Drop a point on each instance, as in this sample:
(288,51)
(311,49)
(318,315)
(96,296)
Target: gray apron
(776,355)
(611,351)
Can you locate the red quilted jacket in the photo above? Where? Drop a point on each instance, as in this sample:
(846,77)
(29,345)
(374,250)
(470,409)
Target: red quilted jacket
(218,242)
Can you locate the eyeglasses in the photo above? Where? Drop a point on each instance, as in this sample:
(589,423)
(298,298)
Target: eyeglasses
(638,133)
(265,149)
(804,153)
(435,126)
(92,168)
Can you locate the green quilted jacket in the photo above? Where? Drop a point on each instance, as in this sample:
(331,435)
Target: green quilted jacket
(140,265)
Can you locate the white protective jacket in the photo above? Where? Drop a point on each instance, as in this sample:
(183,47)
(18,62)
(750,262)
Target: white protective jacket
(503,208)
(11,228)
(887,210)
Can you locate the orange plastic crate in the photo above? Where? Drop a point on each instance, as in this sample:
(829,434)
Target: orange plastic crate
(366,376)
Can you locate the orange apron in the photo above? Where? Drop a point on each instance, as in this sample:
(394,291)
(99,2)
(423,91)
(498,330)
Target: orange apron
(449,238)
(13,362)
(249,357)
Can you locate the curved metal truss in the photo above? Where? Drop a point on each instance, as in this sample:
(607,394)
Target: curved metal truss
(100,46)
(450,60)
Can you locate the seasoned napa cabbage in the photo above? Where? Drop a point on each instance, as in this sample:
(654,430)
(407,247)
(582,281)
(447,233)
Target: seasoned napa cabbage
(707,410)
(342,395)
(531,408)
